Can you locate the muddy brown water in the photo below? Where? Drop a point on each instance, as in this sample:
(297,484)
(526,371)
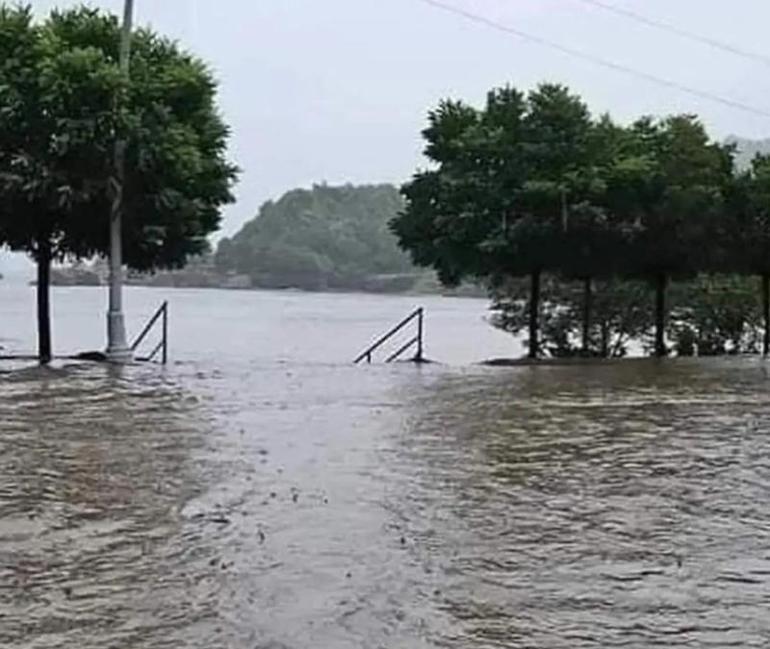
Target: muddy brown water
(260,492)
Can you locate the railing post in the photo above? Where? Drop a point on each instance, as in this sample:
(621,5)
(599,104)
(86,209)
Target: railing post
(165,332)
(420,331)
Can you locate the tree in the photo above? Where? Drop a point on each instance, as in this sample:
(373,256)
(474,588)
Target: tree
(450,210)
(493,204)
(59,120)
(557,151)
(593,239)
(745,230)
(56,103)
(618,316)
(670,186)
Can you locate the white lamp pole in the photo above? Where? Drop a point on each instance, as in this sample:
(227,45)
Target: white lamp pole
(117,344)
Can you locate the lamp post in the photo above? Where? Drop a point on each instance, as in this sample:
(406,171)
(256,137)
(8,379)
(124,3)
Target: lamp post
(118,350)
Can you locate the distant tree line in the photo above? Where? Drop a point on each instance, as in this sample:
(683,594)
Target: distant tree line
(591,234)
(321,238)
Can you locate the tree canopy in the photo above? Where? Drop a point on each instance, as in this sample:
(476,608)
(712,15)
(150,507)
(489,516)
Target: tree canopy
(63,106)
(532,184)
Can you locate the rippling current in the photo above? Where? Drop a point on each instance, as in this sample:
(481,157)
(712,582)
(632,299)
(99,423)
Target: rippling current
(261,492)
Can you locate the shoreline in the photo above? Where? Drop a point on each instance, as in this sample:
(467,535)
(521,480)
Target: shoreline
(588,362)
(327,291)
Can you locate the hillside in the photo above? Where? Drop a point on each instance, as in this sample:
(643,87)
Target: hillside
(322,238)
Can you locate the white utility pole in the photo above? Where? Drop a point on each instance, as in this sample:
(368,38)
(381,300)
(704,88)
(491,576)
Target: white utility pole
(117,344)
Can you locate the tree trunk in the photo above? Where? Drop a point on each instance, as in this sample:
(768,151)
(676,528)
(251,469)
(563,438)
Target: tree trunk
(605,340)
(534,315)
(766,312)
(661,283)
(43,301)
(587,306)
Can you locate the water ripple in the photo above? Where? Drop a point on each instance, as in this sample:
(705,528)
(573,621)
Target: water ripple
(292,506)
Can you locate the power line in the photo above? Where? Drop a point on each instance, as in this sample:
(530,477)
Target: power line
(684,33)
(596,60)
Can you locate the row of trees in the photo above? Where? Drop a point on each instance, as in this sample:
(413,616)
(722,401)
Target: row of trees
(532,185)
(63,105)
(709,315)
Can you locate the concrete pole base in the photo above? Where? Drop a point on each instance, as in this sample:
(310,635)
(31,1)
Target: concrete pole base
(118,350)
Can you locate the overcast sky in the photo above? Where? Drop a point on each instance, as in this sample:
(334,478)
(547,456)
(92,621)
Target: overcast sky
(337,90)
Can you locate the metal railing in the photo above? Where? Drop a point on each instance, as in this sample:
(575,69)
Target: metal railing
(162,346)
(419,316)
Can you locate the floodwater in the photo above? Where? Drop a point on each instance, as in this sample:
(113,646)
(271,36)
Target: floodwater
(261,492)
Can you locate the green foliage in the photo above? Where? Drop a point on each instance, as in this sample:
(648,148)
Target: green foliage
(710,315)
(55,107)
(620,316)
(675,191)
(534,185)
(504,177)
(745,226)
(504,184)
(325,237)
(64,104)
(715,315)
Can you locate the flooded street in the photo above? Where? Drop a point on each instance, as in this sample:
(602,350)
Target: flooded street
(262,492)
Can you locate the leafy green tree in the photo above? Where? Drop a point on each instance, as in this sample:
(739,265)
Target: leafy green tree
(59,120)
(493,204)
(556,148)
(671,185)
(56,102)
(531,185)
(593,241)
(745,231)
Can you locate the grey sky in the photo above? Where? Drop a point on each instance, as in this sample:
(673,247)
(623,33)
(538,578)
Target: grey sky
(337,90)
